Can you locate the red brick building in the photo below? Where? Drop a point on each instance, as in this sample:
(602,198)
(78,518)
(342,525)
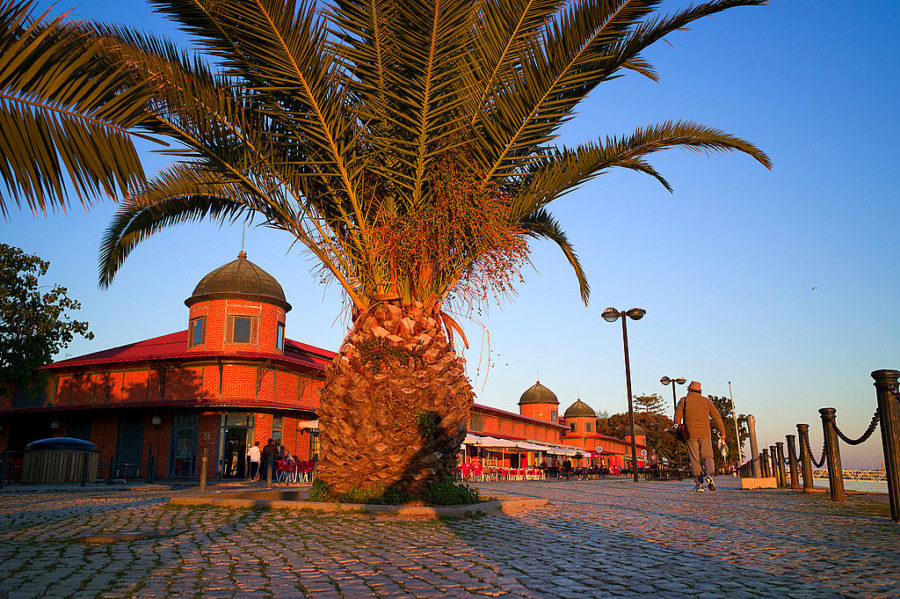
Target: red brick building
(231,379)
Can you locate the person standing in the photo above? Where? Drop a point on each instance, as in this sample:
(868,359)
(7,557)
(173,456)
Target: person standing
(269,457)
(253,455)
(696,410)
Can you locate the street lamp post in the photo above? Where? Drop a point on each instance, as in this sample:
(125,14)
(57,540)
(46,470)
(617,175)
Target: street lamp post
(737,432)
(667,381)
(611,315)
(679,381)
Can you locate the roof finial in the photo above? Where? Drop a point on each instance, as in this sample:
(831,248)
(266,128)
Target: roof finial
(242,255)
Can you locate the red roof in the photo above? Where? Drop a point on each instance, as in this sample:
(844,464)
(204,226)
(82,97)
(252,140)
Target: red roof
(174,346)
(514,416)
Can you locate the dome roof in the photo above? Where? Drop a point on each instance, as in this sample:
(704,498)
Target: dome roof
(239,279)
(579,409)
(638,430)
(538,393)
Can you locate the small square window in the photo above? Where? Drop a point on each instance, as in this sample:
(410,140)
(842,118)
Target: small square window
(552,415)
(572,427)
(587,427)
(279,336)
(241,330)
(197,332)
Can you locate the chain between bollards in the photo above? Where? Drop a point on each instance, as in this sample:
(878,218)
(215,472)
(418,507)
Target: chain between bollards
(865,436)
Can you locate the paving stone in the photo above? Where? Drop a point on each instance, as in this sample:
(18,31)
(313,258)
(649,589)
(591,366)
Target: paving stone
(595,539)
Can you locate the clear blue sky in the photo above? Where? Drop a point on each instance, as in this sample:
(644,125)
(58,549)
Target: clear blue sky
(784,282)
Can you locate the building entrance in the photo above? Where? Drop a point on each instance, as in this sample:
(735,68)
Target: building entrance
(235,432)
(183,448)
(233,462)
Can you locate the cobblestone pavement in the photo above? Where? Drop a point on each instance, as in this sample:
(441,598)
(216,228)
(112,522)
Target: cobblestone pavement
(596,539)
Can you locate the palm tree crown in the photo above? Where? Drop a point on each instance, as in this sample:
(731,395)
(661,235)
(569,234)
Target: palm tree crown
(408,144)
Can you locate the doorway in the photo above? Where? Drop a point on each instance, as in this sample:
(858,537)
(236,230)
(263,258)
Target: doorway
(235,431)
(235,450)
(183,446)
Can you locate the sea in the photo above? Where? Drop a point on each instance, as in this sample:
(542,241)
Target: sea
(866,486)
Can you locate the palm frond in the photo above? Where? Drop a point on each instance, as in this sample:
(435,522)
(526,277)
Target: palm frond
(587,44)
(66,121)
(540,224)
(178,195)
(560,172)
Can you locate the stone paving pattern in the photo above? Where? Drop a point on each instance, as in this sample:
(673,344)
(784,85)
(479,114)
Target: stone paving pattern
(595,539)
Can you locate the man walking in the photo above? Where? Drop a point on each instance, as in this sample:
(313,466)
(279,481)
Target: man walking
(696,410)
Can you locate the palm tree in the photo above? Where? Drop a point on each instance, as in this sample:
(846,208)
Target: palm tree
(409,146)
(66,120)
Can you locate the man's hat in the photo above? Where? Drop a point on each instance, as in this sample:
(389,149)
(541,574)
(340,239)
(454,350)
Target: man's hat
(694,386)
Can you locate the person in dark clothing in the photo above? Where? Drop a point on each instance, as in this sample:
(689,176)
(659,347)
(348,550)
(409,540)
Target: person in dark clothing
(269,457)
(567,468)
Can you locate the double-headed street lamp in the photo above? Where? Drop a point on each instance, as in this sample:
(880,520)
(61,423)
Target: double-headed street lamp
(611,315)
(667,381)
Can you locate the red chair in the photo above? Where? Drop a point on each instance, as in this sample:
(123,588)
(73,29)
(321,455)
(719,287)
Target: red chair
(477,472)
(466,470)
(282,468)
(305,470)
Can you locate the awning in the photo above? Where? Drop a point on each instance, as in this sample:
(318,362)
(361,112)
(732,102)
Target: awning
(491,442)
(529,446)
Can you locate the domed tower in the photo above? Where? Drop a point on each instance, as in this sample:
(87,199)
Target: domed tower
(581,418)
(640,435)
(539,402)
(237,307)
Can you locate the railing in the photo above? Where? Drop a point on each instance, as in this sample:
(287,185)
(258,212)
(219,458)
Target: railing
(772,460)
(854,475)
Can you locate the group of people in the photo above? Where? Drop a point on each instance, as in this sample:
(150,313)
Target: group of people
(268,456)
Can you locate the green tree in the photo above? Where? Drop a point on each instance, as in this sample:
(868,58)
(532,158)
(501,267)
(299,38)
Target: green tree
(659,428)
(724,405)
(66,119)
(409,146)
(34,325)
(652,403)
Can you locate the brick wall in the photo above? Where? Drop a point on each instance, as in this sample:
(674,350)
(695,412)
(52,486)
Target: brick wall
(217,312)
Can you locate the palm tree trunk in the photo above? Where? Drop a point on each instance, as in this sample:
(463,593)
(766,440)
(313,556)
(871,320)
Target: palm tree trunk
(395,405)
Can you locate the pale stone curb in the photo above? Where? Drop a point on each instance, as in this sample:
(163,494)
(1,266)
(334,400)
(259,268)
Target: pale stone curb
(396,510)
(759,483)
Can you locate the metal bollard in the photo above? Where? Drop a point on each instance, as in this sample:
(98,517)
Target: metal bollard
(754,447)
(150,465)
(886,386)
(269,474)
(84,468)
(772,468)
(792,458)
(112,467)
(833,455)
(203,471)
(805,458)
(3,461)
(764,462)
(779,459)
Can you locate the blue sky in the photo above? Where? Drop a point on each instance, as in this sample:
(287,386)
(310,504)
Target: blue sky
(783,282)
